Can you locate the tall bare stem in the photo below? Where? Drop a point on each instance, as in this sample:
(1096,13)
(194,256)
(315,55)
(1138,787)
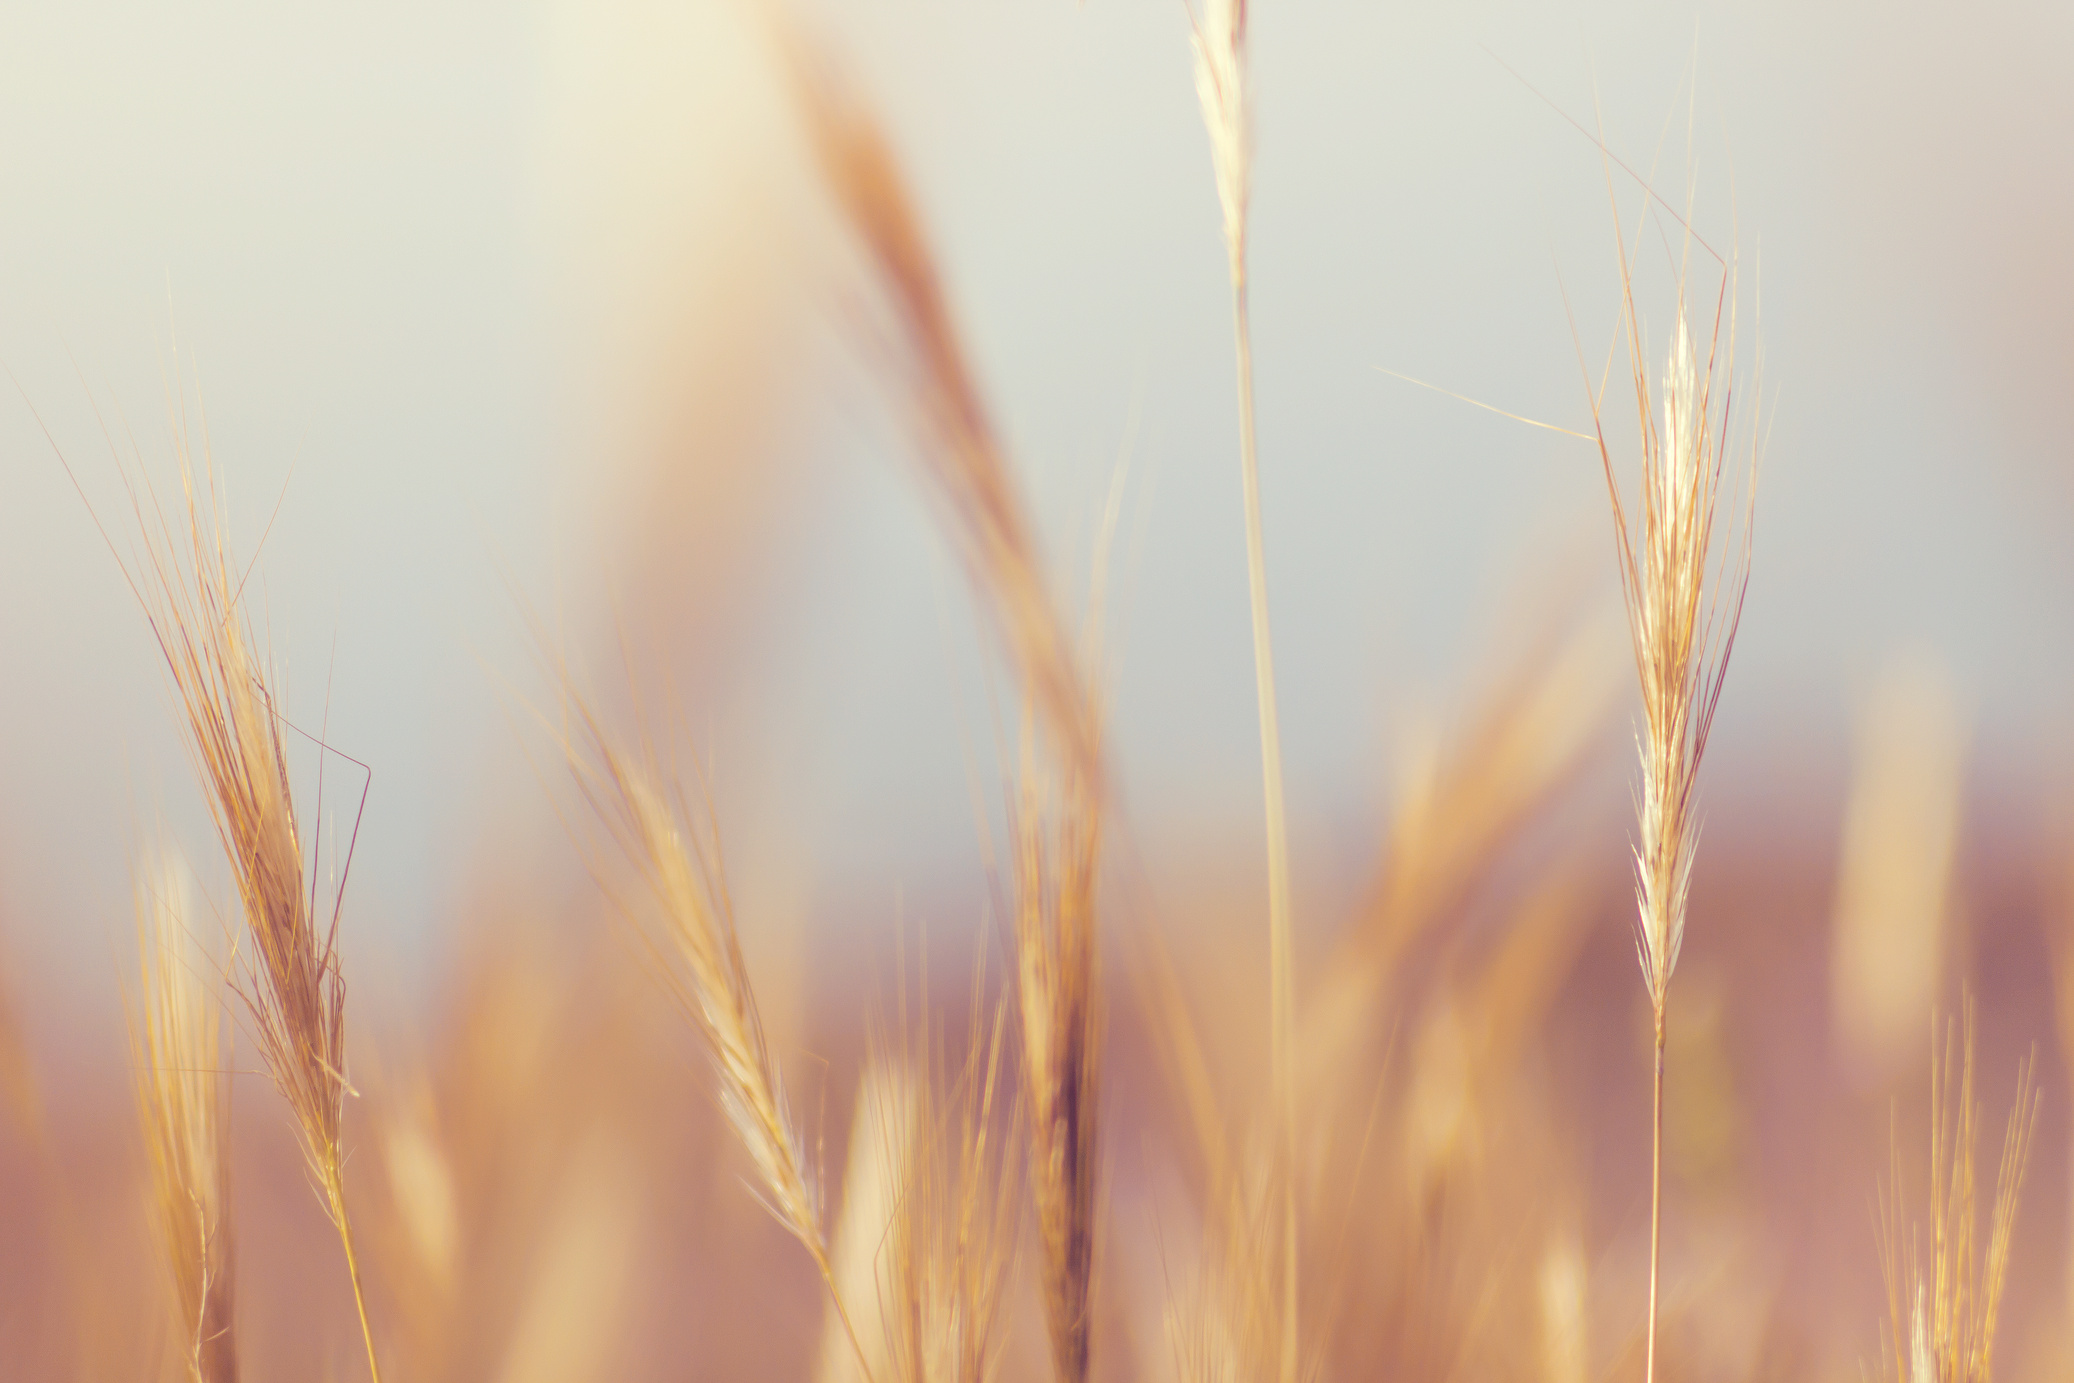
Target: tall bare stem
(1220,69)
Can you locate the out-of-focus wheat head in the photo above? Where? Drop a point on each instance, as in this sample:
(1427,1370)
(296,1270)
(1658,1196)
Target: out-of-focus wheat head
(2060,936)
(1564,1318)
(1900,837)
(183,1100)
(572,1311)
(1056,818)
(875,1172)
(1684,601)
(1470,788)
(1219,39)
(417,1240)
(1056,838)
(690,934)
(965,463)
(1942,1317)
(951,1247)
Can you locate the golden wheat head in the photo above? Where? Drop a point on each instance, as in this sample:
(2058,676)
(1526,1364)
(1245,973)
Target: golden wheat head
(1684,604)
(291,984)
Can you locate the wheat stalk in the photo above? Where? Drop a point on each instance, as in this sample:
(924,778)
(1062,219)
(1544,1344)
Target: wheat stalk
(1219,37)
(1056,825)
(183,1101)
(1684,604)
(291,985)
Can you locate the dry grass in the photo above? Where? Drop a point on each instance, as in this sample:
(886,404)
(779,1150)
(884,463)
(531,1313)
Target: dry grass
(183,1101)
(1685,604)
(688,926)
(1942,1315)
(952,1242)
(290,981)
(1223,88)
(1127,1148)
(1056,815)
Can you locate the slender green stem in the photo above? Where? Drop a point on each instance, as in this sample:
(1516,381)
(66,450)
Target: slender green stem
(1656,1188)
(1281,945)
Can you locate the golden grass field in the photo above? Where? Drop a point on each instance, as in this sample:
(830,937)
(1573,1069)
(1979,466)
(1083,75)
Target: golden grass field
(1215,1126)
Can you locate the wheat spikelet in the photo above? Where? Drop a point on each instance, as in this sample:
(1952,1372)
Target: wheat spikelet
(1055,837)
(183,1099)
(698,955)
(951,1247)
(1682,620)
(291,985)
(1942,1322)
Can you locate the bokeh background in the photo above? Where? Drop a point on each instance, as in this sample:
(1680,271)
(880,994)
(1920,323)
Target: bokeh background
(525,325)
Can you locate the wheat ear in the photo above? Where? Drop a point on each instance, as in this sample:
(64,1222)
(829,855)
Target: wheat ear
(952,1241)
(1684,604)
(698,955)
(1942,1323)
(290,984)
(1058,812)
(183,1100)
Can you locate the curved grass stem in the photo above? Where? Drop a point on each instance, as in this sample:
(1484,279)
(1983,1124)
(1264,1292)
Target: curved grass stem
(335,1193)
(1281,945)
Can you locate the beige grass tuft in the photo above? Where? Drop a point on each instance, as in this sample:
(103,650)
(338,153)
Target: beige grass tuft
(952,1245)
(1942,1318)
(183,1099)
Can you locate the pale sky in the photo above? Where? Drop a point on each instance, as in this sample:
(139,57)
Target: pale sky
(476,271)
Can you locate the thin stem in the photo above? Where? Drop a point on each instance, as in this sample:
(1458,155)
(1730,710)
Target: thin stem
(1656,1189)
(1281,947)
(335,1190)
(842,1312)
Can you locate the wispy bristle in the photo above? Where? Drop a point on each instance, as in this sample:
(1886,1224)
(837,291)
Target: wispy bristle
(183,1097)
